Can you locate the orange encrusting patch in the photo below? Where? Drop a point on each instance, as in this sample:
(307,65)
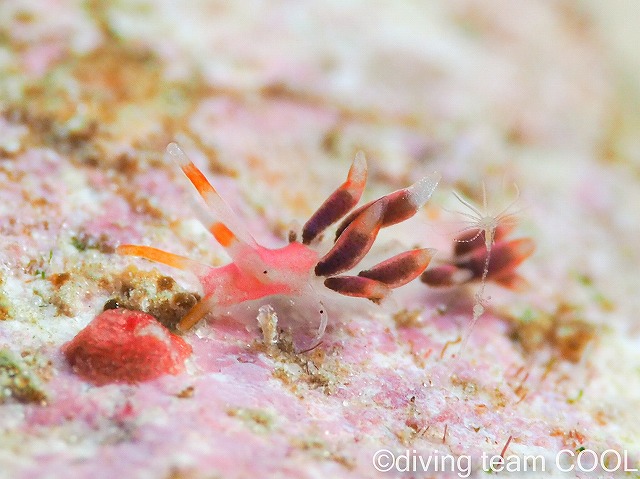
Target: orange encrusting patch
(198,179)
(222,234)
(123,346)
(154,254)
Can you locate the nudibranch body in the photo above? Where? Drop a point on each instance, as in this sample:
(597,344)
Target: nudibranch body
(297,269)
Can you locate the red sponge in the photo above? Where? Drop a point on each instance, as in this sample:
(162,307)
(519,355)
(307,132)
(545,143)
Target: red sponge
(123,346)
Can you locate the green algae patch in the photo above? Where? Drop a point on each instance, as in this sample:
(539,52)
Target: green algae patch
(4,304)
(258,420)
(4,308)
(17,383)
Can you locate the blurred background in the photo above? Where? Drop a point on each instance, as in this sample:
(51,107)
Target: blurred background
(272,99)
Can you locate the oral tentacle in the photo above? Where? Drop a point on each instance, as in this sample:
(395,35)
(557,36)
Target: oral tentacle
(226,227)
(354,243)
(321,310)
(196,314)
(340,202)
(164,257)
(400,269)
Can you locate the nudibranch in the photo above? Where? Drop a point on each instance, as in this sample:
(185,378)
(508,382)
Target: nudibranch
(298,269)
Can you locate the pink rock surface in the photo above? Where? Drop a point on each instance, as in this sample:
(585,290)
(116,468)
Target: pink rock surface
(272,102)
